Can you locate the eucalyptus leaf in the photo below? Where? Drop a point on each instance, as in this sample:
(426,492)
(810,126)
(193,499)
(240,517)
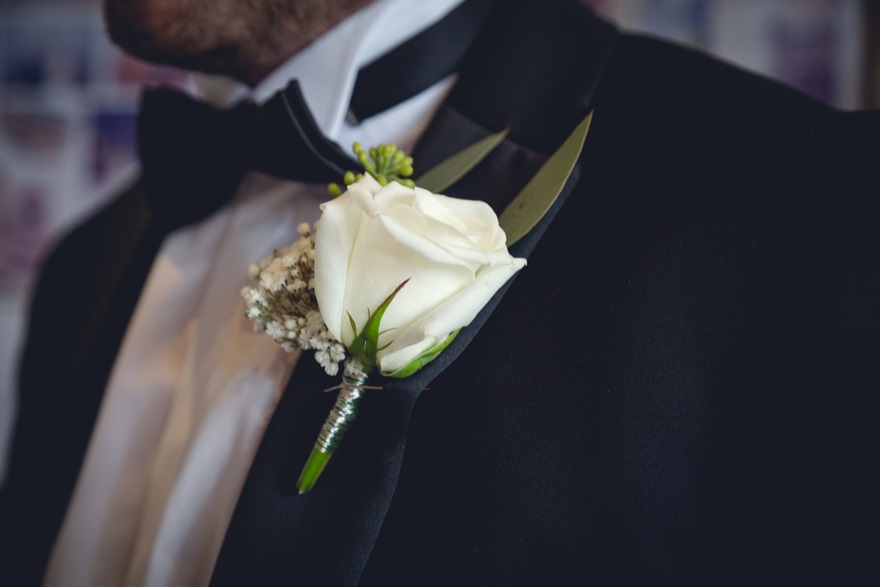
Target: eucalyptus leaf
(530,205)
(443,175)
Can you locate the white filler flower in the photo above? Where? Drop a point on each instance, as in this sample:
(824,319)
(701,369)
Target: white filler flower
(282,303)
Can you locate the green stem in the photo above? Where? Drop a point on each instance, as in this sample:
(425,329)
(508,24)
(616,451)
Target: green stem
(312,470)
(341,416)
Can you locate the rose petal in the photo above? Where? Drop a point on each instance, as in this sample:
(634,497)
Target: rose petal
(334,241)
(456,312)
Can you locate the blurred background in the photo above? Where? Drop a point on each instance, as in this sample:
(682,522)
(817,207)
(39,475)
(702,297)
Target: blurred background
(68,103)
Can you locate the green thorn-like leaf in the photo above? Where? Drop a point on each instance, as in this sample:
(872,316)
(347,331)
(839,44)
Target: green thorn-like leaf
(366,344)
(450,171)
(530,205)
(423,359)
(351,321)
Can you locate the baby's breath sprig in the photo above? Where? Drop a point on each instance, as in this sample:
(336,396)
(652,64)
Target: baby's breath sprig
(386,163)
(283,304)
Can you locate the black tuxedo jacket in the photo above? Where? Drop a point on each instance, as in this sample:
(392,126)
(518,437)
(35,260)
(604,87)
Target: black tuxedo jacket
(680,389)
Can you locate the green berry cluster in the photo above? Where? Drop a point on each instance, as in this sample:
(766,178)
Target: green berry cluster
(386,163)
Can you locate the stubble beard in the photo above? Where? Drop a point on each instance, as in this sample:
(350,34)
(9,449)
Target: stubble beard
(245,39)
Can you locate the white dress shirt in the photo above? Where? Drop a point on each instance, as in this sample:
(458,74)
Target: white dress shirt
(193,387)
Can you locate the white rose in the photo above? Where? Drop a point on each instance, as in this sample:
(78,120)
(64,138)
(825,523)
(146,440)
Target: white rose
(373,238)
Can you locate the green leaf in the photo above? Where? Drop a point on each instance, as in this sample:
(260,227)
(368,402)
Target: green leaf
(423,359)
(530,205)
(366,344)
(351,321)
(445,174)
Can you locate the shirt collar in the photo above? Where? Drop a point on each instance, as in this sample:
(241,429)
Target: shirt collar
(326,69)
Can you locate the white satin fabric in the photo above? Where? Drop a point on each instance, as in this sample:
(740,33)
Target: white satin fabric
(193,387)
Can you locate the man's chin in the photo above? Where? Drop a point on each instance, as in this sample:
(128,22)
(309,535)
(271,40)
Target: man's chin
(244,39)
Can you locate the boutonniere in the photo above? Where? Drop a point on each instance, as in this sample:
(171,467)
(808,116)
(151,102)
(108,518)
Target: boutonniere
(392,271)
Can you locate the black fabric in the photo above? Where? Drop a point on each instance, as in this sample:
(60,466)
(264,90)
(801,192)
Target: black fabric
(679,388)
(72,343)
(193,155)
(534,68)
(419,63)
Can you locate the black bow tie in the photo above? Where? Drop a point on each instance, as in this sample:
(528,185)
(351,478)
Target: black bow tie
(193,155)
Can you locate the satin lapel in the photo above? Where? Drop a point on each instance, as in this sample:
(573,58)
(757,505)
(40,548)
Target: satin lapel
(101,269)
(277,537)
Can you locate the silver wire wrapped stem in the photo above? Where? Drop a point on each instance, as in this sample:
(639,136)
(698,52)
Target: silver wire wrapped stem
(354,384)
(344,411)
